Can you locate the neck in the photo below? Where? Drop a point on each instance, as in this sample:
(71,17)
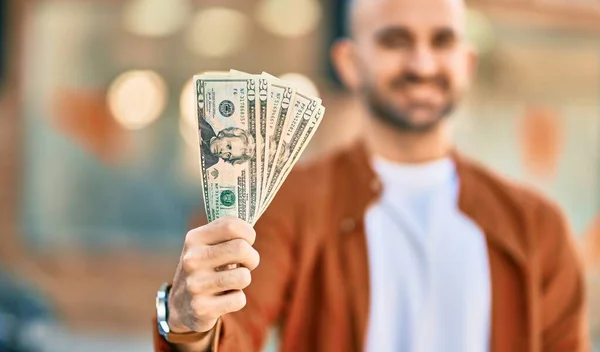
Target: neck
(407,146)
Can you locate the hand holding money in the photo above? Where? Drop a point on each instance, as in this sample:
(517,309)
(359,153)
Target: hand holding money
(202,291)
(252,130)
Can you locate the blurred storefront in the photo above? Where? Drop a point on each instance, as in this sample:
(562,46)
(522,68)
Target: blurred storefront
(100,174)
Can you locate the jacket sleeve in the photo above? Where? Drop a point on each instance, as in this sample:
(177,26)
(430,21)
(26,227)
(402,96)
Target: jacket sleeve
(564,317)
(266,296)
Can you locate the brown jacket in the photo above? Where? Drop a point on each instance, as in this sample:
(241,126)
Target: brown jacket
(313,277)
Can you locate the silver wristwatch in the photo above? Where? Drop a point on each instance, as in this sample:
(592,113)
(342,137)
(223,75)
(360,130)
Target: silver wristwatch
(162,316)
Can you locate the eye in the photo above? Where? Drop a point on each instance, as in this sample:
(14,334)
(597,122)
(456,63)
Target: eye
(444,39)
(394,42)
(229,146)
(395,38)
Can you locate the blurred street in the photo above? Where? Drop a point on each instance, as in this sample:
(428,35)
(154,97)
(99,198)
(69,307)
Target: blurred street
(99,160)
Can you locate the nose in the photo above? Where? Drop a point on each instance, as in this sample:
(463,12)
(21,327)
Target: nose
(422,62)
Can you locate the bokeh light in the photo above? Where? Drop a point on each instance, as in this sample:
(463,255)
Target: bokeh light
(189,133)
(217,32)
(137,98)
(289,18)
(302,83)
(155,18)
(541,136)
(187,106)
(480,32)
(188,129)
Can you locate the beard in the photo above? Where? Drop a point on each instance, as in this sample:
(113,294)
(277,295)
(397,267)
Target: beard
(403,117)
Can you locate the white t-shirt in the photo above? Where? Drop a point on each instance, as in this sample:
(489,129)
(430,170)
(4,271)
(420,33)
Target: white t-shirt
(428,264)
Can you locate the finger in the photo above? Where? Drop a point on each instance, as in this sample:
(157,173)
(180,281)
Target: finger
(232,252)
(215,306)
(235,253)
(228,267)
(219,282)
(222,230)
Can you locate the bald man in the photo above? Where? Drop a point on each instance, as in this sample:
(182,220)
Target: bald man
(398,243)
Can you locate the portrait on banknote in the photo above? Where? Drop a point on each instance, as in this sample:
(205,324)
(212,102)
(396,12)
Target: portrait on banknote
(233,145)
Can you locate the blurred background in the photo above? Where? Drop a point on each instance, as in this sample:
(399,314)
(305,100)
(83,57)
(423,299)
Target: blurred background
(99,172)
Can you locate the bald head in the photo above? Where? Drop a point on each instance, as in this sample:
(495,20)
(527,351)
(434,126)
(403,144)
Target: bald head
(407,59)
(360,12)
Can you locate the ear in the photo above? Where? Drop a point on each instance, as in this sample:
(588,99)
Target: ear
(472,63)
(343,57)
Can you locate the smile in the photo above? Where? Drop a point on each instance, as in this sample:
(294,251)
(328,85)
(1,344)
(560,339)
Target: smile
(225,155)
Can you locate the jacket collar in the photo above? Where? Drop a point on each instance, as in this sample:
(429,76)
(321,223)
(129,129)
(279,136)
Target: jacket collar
(475,200)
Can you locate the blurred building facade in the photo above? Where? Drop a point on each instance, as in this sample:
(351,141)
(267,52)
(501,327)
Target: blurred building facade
(99,174)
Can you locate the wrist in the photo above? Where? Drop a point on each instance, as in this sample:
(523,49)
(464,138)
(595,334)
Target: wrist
(174,319)
(175,324)
(177,333)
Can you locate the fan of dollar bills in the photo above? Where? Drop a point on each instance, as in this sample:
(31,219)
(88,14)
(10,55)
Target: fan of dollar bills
(253,129)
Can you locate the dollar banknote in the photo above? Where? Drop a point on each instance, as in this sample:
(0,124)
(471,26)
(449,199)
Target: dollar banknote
(296,153)
(226,110)
(282,97)
(253,129)
(262,85)
(303,108)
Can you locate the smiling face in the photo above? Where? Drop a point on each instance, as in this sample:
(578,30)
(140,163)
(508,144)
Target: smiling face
(407,59)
